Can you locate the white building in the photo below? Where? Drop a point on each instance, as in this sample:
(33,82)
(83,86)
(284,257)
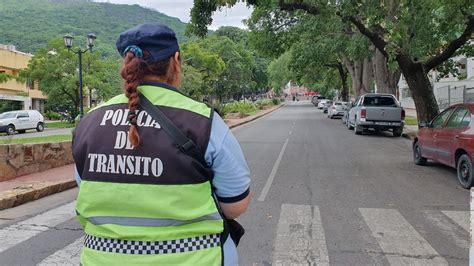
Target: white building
(448,90)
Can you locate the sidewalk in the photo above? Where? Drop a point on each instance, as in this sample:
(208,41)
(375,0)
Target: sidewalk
(34,186)
(409,132)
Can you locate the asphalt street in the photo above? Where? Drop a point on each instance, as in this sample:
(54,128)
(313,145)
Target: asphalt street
(321,195)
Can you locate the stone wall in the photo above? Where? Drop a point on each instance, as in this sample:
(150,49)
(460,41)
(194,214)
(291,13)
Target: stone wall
(23,159)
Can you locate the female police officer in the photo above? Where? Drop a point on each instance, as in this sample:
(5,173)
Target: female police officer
(142,201)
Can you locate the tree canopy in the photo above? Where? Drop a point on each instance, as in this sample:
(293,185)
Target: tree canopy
(55,68)
(412,36)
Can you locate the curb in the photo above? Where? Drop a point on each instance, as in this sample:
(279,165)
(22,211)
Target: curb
(256,117)
(409,135)
(30,192)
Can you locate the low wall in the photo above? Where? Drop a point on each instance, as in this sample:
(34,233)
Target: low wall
(23,159)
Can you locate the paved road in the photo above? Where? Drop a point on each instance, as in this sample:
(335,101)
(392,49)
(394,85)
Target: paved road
(322,195)
(34,133)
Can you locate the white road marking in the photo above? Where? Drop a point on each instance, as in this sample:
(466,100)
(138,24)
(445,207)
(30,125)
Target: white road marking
(70,255)
(400,242)
(300,238)
(459,217)
(267,186)
(446,227)
(24,230)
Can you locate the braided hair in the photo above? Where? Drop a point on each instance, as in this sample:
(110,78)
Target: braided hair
(134,70)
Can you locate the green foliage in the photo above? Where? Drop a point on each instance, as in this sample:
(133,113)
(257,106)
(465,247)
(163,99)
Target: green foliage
(243,108)
(261,104)
(411,121)
(64,124)
(279,71)
(51,115)
(47,139)
(223,66)
(55,68)
(4,77)
(30,24)
(276,101)
(201,68)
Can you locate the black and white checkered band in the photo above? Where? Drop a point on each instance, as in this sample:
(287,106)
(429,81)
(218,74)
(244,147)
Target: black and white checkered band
(150,247)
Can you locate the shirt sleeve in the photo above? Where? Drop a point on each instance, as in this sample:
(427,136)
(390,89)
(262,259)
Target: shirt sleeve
(77,176)
(225,157)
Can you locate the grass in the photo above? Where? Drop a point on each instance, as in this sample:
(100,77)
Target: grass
(63,124)
(48,139)
(411,121)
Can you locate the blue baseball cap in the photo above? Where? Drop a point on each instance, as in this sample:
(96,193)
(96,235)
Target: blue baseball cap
(158,39)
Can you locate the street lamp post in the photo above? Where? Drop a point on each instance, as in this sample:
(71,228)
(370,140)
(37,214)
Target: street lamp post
(68,41)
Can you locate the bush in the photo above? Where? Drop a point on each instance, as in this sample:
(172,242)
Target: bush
(53,115)
(276,101)
(260,104)
(241,108)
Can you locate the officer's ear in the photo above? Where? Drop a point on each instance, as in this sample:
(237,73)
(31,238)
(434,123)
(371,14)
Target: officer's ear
(176,69)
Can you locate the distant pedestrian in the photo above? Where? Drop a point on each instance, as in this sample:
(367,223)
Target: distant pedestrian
(144,198)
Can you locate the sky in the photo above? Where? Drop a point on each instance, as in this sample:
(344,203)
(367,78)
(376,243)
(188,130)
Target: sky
(181,10)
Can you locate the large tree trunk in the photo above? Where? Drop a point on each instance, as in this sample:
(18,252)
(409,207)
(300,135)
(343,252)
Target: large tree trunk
(420,87)
(367,76)
(345,88)
(386,79)
(361,73)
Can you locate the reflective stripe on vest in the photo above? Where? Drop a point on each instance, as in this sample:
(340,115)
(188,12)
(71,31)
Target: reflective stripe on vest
(152,248)
(149,222)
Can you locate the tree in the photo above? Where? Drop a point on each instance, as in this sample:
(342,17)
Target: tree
(55,68)
(279,72)
(417,35)
(200,63)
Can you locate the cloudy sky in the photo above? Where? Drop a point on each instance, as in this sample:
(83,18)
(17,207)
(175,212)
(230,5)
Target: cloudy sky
(181,8)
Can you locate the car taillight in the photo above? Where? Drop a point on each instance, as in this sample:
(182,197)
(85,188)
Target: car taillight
(403,114)
(363,113)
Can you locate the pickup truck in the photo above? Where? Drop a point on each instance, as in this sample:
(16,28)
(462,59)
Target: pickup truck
(378,111)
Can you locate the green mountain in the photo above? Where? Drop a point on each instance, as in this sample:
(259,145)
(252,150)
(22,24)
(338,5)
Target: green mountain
(30,24)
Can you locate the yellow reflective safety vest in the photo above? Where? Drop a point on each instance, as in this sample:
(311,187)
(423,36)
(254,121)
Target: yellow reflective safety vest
(148,206)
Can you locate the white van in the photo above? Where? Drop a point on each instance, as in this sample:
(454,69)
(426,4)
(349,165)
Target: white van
(21,121)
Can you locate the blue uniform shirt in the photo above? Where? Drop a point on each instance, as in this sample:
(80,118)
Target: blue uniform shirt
(231,173)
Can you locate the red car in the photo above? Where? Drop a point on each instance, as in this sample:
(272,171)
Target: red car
(449,139)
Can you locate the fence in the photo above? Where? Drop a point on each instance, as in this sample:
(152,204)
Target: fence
(449,95)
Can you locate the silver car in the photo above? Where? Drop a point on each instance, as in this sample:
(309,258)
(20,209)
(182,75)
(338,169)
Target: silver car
(376,111)
(326,106)
(337,109)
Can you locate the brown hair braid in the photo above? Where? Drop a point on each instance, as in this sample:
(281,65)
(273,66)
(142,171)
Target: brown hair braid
(134,70)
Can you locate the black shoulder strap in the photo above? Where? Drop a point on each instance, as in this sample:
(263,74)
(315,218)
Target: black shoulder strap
(184,144)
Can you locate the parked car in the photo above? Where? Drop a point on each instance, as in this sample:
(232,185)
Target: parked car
(378,111)
(21,121)
(316,99)
(322,103)
(337,109)
(449,139)
(326,106)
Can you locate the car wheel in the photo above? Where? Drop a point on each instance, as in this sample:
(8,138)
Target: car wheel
(417,156)
(40,127)
(464,169)
(10,130)
(21,131)
(349,126)
(397,131)
(358,130)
